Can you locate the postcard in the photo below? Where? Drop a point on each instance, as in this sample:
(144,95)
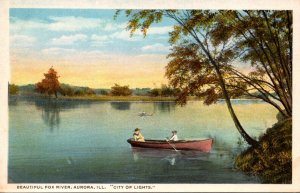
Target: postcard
(149,96)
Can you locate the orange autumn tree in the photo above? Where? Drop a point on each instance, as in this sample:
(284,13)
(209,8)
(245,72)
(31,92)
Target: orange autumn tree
(50,84)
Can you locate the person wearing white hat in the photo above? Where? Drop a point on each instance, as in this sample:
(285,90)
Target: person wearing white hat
(174,136)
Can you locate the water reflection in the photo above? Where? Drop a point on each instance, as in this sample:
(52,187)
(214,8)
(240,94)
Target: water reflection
(164,106)
(82,160)
(169,156)
(51,109)
(120,105)
(50,113)
(241,101)
(13,100)
(223,148)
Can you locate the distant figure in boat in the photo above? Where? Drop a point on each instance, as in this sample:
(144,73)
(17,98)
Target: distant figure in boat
(137,136)
(143,114)
(174,136)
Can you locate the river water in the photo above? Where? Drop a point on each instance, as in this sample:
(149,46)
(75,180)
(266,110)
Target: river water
(85,142)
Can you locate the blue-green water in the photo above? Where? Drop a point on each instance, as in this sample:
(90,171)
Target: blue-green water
(85,142)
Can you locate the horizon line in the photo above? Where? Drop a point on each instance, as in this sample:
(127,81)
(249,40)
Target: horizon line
(25,84)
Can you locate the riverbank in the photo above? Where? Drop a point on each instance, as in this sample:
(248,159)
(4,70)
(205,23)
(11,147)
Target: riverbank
(272,162)
(119,98)
(99,98)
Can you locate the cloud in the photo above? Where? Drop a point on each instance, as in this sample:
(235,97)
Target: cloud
(21,41)
(99,40)
(138,35)
(156,48)
(95,37)
(160,30)
(68,40)
(112,26)
(17,25)
(120,35)
(70,23)
(56,51)
(82,57)
(72,55)
(73,23)
(125,35)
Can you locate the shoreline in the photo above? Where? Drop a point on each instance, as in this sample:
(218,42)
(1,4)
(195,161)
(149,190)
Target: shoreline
(100,98)
(121,98)
(117,98)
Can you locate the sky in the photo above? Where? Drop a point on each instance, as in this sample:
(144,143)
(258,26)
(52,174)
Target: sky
(86,47)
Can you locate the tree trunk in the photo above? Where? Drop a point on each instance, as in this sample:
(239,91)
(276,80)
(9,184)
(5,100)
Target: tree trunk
(236,121)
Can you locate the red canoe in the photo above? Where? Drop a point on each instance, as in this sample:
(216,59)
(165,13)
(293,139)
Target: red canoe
(204,145)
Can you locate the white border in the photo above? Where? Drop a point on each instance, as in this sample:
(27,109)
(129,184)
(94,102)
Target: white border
(154,4)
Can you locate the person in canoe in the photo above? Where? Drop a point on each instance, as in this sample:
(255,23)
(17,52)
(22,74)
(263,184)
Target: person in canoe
(137,135)
(174,136)
(144,114)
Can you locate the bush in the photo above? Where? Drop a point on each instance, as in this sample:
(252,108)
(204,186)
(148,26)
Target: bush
(155,92)
(118,90)
(164,91)
(13,89)
(272,161)
(68,90)
(103,92)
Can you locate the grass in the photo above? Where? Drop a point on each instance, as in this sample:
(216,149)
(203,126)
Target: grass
(272,161)
(118,98)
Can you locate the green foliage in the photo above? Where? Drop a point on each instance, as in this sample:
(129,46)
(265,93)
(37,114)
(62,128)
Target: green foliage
(27,89)
(155,92)
(118,90)
(13,89)
(164,91)
(190,73)
(141,91)
(104,92)
(262,38)
(222,37)
(167,91)
(272,161)
(68,90)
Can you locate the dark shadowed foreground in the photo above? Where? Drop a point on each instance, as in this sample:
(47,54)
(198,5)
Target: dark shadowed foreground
(273,161)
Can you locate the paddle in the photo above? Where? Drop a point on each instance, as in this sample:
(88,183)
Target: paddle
(171,145)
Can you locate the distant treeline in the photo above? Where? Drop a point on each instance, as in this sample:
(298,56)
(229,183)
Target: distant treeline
(116,90)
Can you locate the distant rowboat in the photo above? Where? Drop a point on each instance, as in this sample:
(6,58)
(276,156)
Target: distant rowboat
(143,114)
(204,145)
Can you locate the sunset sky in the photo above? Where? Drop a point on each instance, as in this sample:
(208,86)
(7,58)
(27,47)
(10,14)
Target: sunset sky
(86,47)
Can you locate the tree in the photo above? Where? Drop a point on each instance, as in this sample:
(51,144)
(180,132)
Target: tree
(13,89)
(50,84)
(192,75)
(103,92)
(167,91)
(118,90)
(264,39)
(66,90)
(220,38)
(155,92)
